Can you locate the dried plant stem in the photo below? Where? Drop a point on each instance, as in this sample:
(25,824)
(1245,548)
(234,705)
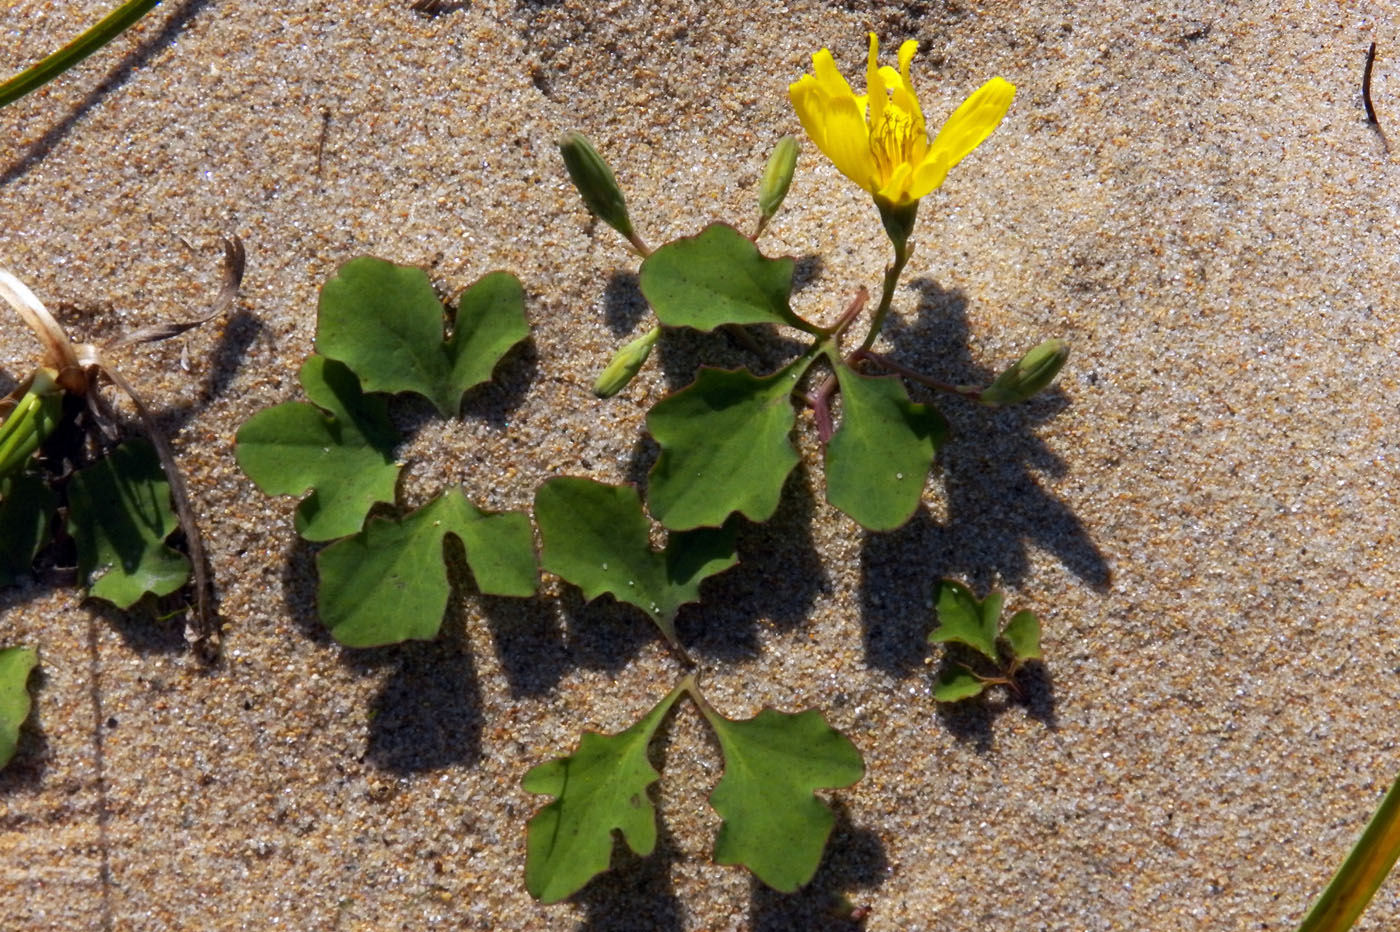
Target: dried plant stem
(203,629)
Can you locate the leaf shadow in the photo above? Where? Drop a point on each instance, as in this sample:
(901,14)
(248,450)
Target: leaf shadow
(26,768)
(779,575)
(240,331)
(778,579)
(807,271)
(996,507)
(114,78)
(854,859)
(762,349)
(299,580)
(635,893)
(427,714)
(970,721)
(144,628)
(529,639)
(496,400)
(604,634)
(624,307)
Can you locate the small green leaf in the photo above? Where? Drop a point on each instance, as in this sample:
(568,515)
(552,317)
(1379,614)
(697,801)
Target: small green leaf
(880,456)
(343,451)
(957,684)
(27,506)
(600,787)
(718,278)
(385,322)
(596,537)
(388,583)
(773,825)
(1022,634)
(963,619)
(724,447)
(15,666)
(119,515)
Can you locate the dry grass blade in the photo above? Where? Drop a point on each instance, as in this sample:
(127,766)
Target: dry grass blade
(235,259)
(59,352)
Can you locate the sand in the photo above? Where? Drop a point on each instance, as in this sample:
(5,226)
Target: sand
(1202,513)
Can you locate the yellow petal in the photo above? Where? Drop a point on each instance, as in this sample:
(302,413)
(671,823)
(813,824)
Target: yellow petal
(834,119)
(896,190)
(875,83)
(906,55)
(828,77)
(964,131)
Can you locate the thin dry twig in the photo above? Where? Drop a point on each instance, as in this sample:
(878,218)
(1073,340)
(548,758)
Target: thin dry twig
(235,259)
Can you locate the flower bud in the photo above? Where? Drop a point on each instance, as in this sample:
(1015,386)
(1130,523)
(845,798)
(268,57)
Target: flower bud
(1033,372)
(626,363)
(595,182)
(777,177)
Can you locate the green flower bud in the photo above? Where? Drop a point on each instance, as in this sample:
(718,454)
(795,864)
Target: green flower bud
(1033,372)
(595,182)
(777,176)
(625,365)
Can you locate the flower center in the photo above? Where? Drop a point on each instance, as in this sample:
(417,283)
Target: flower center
(892,139)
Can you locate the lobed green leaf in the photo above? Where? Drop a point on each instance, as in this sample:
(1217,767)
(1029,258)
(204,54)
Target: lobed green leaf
(340,448)
(386,323)
(388,583)
(963,619)
(957,684)
(718,277)
(773,762)
(15,666)
(725,447)
(596,537)
(879,458)
(119,515)
(1022,635)
(602,786)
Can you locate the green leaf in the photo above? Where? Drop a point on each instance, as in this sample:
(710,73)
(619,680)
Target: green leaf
(341,448)
(388,583)
(15,665)
(385,322)
(27,506)
(596,537)
(880,456)
(718,278)
(963,619)
(724,447)
(600,787)
(1022,634)
(957,684)
(773,825)
(1362,873)
(119,515)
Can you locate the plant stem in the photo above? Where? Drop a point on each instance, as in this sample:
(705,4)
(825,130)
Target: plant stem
(202,631)
(1361,874)
(639,245)
(107,29)
(899,223)
(881,360)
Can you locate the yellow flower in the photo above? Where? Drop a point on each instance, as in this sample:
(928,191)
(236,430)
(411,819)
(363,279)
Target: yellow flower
(878,139)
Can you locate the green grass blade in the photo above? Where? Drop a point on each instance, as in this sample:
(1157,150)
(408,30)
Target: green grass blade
(111,26)
(1363,871)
